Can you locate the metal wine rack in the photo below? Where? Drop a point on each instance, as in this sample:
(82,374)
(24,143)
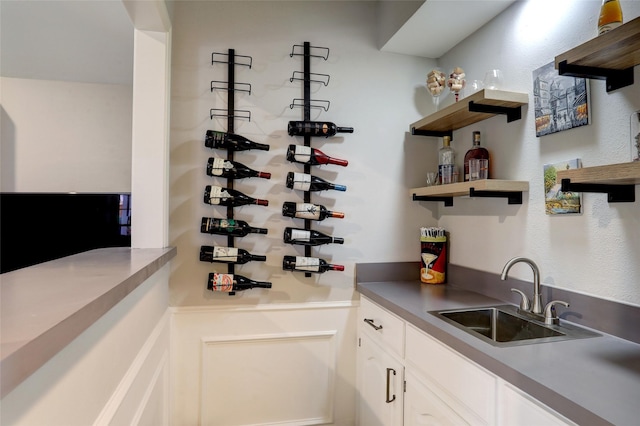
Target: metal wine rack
(307,103)
(231,87)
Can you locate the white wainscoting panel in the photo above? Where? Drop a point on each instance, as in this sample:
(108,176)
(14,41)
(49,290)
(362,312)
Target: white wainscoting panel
(288,364)
(284,378)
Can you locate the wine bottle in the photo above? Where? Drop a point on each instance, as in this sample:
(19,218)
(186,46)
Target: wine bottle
(231,142)
(308,211)
(446,156)
(231,227)
(217,195)
(306,182)
(610,16)
(476,152)
(306,237)
(232,282)
(228,255)
(314,157)
(219,167)
(315,128)
(308,264)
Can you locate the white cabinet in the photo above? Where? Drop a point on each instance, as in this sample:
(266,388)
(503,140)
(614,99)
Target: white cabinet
(422,406)
(380,384)
(407,377)
(516,408)
(380,372)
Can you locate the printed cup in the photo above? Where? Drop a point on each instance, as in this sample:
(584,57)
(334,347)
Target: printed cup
(447,173)
(478,169)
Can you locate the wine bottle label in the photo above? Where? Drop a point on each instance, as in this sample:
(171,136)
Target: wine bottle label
(220,165)
(302,154)
(307,263)
(300,235)
(301,181)
(217,194)
(222,282)
(307,211)
(227,254)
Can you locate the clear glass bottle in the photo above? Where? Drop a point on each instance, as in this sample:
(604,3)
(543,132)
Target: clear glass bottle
(610,16)
(478,152)
(446,155)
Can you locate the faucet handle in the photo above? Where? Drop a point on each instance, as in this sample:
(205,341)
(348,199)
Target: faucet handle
(525,305)
(550,312)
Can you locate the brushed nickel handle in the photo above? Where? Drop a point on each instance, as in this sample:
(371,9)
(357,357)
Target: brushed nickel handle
(370,322)
(389,370)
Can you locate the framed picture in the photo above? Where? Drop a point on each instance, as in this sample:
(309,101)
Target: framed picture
(561,103)
(557,202)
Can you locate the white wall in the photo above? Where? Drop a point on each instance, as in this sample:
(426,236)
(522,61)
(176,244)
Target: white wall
(62,136)
(377,93)
(595,253)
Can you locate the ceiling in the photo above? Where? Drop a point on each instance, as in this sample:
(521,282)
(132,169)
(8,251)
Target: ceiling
(439,25)
(92,41)
(82,41)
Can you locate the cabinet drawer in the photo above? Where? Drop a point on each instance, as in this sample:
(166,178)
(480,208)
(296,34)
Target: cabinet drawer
(384,327)
(462,380)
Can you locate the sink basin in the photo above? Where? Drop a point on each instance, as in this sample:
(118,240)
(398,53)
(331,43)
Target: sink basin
(506,325)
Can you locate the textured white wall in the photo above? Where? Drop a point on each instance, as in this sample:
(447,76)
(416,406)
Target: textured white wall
(377,93)
(597,252)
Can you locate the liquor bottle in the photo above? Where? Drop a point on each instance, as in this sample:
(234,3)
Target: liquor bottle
(476,152)
(217,195)
(228,255)
(231,142)
(231,227)
(315,128)
(307,155)
(306,237)
(308,211)
(446,156)
(306,182)
(610,16)
(232,282)
(308,264)
(219,167)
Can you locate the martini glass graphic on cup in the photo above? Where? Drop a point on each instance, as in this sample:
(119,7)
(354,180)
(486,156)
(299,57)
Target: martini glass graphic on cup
(428,259)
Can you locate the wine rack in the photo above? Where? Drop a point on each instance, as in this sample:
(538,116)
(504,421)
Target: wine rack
(307,103)
(231,59)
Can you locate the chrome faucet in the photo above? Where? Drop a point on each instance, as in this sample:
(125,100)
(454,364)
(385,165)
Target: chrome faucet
(536,306)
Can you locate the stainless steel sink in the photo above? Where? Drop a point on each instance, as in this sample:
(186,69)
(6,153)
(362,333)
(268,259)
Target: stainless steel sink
(506,325)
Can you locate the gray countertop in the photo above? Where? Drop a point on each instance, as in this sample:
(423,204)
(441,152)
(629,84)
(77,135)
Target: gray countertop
(44,307)
(590,381)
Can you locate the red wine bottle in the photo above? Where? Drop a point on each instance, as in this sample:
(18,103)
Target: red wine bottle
(315,128)
(231,142)
(219,167)
(232,227)
(232,282)
(308,264)
(306,237)
(217,195)
(308,211)
(307,155)
(228,255)
(306,182)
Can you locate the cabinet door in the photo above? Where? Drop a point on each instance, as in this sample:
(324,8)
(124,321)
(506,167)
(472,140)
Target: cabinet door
(423,407)
(380,385)
(520,409)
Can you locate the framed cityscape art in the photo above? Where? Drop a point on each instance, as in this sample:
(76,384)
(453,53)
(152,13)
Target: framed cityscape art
(561,103)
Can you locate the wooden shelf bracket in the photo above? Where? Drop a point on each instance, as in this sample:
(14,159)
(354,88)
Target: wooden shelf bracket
(615,79)
(615,193)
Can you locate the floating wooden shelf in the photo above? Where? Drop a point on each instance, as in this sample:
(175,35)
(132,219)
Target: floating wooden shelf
(512,190)
(610,56)
(616,180)
(471,109)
